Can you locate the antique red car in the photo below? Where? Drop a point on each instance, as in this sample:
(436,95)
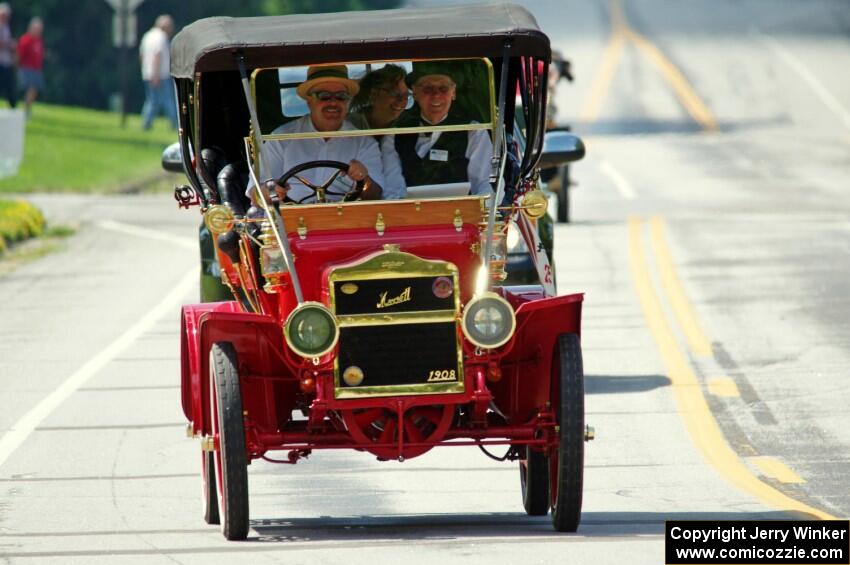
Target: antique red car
(382,326)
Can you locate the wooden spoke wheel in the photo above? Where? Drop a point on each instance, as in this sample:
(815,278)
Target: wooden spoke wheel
(231,458)
(379,429)
(566,464)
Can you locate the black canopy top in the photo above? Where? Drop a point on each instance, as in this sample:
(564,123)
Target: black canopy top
(479,30)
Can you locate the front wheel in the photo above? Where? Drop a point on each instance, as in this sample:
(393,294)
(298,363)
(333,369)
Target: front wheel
(566,466)
(229,427)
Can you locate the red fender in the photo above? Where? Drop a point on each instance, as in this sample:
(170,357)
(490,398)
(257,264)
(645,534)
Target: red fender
(191,354)
(259,344)
(527,368)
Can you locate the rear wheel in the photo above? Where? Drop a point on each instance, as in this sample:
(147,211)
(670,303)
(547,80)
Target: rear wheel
(228,425)
(534,480)
(210,496)
(566,466)
(564,195)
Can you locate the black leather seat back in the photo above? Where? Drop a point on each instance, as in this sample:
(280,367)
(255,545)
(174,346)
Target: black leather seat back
(231,183)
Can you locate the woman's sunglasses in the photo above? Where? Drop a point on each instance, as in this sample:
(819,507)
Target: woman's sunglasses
(396,94)
(327,96)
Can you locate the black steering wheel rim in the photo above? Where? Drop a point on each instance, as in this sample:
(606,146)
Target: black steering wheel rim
(341,168)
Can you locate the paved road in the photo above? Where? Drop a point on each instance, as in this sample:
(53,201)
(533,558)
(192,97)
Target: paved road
(711,236)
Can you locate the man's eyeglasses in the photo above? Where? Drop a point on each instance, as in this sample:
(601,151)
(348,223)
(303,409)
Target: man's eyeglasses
(432,90)
(327,96)
(396,94)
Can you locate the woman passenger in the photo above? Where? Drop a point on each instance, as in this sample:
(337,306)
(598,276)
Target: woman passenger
(382,98)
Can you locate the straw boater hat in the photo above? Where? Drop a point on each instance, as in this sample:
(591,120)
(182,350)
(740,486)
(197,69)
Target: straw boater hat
(334,73)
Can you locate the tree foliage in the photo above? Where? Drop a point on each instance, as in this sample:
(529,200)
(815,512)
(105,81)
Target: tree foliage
(83,68)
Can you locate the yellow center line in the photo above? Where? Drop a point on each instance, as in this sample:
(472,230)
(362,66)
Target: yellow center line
(724,387)
(603,78)
(691,404)
(685,315)
(620,32)
(776,469)
(684,91)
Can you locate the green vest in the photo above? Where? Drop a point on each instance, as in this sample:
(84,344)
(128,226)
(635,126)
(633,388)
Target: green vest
(419,171)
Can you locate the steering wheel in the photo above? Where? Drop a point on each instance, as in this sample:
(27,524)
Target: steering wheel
(321,190)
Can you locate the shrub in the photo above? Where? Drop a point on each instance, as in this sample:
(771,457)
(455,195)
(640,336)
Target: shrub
(19,220)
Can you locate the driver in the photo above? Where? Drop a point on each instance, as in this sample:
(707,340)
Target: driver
(327,91)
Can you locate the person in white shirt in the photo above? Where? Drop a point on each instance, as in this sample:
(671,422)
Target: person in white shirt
(154,52)
(441,157)
(328,91)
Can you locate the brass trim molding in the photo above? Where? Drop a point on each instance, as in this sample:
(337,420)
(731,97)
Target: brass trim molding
(381,131)
(402,264)
(431,317)
(397,390)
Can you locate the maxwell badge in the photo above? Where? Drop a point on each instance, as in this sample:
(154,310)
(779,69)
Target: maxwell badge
(385,301)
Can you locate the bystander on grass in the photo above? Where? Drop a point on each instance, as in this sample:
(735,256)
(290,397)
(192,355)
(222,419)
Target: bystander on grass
(69,149)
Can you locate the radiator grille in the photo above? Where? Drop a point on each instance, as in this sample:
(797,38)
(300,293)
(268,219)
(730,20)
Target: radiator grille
(401,354)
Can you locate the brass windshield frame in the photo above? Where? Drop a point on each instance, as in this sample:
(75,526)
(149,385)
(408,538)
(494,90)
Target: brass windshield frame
(489,126)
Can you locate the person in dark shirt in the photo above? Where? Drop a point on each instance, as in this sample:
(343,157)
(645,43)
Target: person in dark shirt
(7,57)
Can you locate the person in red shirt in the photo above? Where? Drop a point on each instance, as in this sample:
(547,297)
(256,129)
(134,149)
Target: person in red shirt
(31,62)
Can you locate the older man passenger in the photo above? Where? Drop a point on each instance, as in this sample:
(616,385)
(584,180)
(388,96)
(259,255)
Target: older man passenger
(327,91)
(441,157)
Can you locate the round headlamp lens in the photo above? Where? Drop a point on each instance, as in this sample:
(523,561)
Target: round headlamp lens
(489,321)
(311,330)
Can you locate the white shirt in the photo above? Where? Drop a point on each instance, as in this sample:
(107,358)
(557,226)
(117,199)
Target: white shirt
(155,41)
(395,187)
(283,155)
(479,151)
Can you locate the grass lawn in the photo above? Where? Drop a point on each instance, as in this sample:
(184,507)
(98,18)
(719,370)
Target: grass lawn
(69,149)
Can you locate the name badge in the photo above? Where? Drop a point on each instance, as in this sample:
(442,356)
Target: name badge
(438,155)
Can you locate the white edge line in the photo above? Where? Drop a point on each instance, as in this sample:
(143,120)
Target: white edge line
(148,233)
(825,96)
(21,430)
(625,189)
